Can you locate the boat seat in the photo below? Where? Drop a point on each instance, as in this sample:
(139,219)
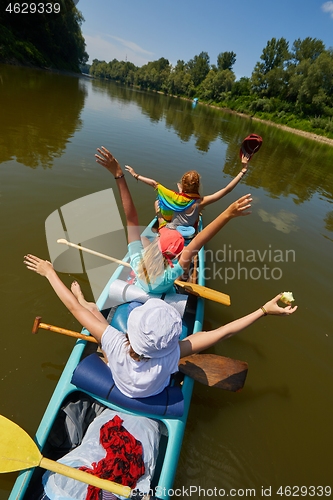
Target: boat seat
(94,376)
(187,232)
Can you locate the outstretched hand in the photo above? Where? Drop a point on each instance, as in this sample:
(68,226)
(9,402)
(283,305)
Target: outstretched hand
(245,159)
(239,207)
(40,266)
(272,307)
(108,161)
(130,170)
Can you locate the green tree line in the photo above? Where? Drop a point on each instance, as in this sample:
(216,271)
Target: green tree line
(288,85)
(46,39)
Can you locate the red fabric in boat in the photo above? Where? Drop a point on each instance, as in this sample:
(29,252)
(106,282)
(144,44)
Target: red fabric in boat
(123,462)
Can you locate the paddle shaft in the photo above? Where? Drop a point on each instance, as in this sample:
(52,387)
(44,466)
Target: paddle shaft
(208,369)
(193,288)
(85,477)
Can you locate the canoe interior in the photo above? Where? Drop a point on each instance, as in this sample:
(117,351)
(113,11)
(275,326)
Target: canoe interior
(28,485)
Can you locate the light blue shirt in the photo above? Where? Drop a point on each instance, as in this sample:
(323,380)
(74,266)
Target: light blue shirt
(162,284)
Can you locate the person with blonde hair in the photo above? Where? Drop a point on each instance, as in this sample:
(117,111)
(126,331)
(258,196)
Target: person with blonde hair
(165,259)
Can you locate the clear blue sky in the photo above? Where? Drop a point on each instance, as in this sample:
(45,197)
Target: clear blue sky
(143,31)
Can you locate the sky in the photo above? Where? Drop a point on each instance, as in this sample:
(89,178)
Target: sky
(146,30)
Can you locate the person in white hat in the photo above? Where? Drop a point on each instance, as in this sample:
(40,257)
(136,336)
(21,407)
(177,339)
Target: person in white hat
(143,360)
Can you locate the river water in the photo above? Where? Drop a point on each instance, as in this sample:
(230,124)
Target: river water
(277,431)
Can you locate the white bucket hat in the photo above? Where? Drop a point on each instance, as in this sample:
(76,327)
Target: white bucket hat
(154,329)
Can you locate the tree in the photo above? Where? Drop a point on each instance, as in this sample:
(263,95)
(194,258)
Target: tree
(180,81)
(317,87)
(303,54)
(309,48)
(241,87)
(154,75)
(53,39)
(216,84)
(226,60)
(268,77)
(199,68)
(275,54)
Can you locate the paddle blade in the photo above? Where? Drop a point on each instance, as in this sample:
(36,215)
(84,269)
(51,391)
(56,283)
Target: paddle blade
(17,450)
(215,371)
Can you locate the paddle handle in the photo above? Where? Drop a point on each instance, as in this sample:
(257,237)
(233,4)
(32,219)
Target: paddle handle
(70,333)
(198,290)
(85,477)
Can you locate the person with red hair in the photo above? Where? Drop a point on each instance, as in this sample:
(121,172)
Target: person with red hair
(183,208)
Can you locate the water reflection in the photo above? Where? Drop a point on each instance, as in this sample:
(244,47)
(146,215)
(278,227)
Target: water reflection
(329,221)
(40,112)
(283,220)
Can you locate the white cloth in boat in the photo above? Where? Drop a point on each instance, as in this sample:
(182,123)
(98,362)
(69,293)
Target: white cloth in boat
(162,284)
(146,430)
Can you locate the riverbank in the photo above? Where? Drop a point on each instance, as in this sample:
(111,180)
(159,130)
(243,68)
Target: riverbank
(308,135)
(303,133)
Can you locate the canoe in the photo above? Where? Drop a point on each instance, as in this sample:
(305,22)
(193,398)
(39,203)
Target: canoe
(171,418)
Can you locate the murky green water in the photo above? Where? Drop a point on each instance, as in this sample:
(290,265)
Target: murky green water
(277,431)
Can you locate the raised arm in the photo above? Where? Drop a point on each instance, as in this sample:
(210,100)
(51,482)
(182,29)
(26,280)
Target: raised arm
(109,162)
(211,198)
(138,177)
(203,340)
(87,319)
(236,209)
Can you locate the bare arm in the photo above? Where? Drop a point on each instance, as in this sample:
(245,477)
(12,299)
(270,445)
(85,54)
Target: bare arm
(138,177)
(207,200)
(236,209)
(83,315)
(203,340)
(108,161)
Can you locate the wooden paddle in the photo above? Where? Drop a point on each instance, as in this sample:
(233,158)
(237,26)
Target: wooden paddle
(215,371)
(193,288)
(18,452)
(208,369)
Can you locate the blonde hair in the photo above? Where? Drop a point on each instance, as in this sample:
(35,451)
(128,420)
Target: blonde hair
(190,182)
(153,263)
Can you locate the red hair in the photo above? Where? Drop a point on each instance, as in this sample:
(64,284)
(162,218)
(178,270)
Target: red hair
(191,182)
